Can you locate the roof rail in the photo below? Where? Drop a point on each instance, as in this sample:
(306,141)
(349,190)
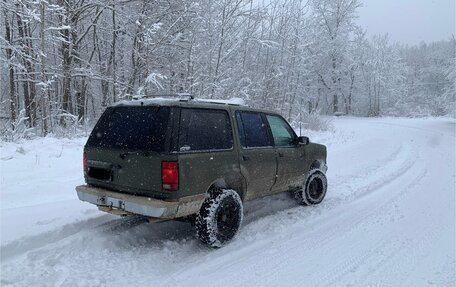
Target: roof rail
(178,96)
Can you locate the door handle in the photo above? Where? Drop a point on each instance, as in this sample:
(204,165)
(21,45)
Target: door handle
(280,154)
(244,157)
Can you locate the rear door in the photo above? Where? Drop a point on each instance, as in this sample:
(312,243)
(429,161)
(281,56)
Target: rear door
(257,156)
(290,156)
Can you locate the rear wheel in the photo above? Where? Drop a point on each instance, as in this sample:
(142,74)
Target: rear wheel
(219,218)
(314,190)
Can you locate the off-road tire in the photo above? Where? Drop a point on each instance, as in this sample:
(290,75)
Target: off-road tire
(219,218)
(314,189)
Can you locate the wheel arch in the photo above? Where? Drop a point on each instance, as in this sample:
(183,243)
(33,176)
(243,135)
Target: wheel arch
(237,183)
(319,164)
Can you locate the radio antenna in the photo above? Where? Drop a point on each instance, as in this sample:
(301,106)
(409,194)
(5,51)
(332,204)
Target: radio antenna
(300,118)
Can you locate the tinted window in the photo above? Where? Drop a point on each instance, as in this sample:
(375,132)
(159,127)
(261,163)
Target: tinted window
(204,130)
(281,132)
(252,130)
(135,128)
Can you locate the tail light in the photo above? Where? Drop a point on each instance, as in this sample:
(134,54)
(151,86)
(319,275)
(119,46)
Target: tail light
(84,163)
(170,175)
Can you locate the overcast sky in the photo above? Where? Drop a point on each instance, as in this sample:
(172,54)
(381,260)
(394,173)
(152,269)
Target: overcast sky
(409,21)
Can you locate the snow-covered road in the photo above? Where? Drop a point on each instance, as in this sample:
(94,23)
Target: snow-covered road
(388,220)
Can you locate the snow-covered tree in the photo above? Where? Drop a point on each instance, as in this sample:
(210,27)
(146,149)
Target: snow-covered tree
(64,61)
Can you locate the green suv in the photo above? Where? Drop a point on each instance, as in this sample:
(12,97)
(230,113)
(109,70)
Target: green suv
(198,160)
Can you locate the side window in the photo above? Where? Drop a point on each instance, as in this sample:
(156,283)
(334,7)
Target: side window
(252,130)
(202,129)
(281,132)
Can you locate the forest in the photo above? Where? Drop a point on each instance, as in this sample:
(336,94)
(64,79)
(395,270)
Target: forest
(64,61)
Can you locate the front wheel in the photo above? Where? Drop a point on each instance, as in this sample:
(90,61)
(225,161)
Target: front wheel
(314,189)
(219,218)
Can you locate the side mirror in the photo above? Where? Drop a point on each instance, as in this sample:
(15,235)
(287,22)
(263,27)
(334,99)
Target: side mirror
(302,140)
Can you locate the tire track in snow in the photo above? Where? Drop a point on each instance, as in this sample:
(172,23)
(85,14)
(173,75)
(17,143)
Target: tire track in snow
(381,252)
(90,252)
(302,218)
(339,231)
(369,186)
(102,222)
(368,169)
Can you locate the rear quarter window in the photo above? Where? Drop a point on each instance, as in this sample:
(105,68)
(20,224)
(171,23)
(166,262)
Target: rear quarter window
(204,129)
(131,128)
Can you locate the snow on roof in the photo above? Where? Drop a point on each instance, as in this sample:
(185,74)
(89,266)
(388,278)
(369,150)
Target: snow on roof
(146,102)
(170,100)
(231,101)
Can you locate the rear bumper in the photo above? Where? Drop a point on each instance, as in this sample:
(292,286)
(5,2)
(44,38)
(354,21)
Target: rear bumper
(121,203)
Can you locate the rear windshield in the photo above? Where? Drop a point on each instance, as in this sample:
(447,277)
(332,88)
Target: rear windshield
(133,128)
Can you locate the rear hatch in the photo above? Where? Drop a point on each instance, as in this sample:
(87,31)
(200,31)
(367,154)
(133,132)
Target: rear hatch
(125,150)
